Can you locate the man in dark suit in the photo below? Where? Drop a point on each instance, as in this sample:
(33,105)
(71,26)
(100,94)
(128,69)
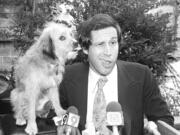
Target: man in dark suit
(130,84)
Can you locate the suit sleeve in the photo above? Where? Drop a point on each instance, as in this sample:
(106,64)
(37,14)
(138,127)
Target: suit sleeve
(155,107)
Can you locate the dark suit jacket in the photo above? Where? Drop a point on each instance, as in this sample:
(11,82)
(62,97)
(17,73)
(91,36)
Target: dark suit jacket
(138,94)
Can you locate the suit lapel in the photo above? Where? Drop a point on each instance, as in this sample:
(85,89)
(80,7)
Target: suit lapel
(123,93)
(83,88)
(123,82)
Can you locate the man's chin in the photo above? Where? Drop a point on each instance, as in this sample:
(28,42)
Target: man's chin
(106,72)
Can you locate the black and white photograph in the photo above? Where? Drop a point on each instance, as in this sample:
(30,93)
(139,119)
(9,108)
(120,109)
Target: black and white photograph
(89,67)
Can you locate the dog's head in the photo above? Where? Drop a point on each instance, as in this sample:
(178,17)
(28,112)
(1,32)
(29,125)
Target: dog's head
(58,40)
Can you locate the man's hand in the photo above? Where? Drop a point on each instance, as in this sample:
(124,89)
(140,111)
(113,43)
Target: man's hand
(150,128)
(63,130)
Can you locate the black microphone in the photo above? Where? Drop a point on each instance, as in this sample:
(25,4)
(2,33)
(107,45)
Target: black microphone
(70,122)
(114,116)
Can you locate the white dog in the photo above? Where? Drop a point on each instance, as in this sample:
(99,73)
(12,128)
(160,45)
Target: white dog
(38,74)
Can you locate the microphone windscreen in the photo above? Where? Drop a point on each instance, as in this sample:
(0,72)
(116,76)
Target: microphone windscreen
(114,114)
(113,107)
(73,117)
(73,109)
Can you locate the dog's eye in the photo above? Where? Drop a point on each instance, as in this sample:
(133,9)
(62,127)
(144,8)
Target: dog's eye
(62,38)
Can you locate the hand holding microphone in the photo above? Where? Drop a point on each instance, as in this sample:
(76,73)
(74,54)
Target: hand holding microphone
(69,122)
(62,130)
(150,127)
(114,117)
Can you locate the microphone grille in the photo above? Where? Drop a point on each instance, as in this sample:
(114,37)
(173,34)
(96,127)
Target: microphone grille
(113,107)
(73,109)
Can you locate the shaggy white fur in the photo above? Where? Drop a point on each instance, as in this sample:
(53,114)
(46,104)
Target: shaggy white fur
(38,74)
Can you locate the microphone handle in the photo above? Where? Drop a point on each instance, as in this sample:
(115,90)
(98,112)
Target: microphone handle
(68,130)
(115,130)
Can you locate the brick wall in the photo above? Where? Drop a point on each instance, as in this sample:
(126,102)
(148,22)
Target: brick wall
(8,55)
(7,51)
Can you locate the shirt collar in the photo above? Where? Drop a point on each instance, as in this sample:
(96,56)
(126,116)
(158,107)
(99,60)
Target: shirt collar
(95,76)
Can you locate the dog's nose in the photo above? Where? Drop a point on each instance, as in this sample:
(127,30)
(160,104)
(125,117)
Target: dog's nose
(75,44)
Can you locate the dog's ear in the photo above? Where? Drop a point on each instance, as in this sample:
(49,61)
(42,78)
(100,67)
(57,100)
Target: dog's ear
(48,47)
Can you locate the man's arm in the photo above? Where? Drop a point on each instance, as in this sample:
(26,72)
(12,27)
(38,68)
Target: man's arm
(155,108)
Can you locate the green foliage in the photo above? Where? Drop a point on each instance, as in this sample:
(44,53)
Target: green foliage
(24,29)
(147,39)
(27,25)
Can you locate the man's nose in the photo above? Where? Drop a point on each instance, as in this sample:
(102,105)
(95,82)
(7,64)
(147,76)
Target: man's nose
(107,50)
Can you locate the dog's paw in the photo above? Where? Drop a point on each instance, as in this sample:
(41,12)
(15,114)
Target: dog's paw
(31,129)
(20,121)
(61,112)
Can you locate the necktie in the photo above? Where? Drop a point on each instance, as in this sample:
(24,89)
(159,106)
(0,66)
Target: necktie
(99,109)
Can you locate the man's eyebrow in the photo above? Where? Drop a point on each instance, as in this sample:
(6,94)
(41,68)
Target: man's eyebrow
(99,42)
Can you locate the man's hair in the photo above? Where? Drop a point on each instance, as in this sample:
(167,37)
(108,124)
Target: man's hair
(97,22)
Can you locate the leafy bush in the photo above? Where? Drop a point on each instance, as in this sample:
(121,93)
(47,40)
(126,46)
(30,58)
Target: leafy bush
(24,29)
(27,25)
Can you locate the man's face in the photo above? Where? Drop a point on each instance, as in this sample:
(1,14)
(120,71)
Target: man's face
(103,52)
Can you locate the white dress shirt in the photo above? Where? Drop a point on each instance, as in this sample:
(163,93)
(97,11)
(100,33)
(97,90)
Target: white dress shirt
(110,91)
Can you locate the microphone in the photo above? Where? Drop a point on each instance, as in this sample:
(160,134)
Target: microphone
(72,120)
(114,116)
(69,122)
